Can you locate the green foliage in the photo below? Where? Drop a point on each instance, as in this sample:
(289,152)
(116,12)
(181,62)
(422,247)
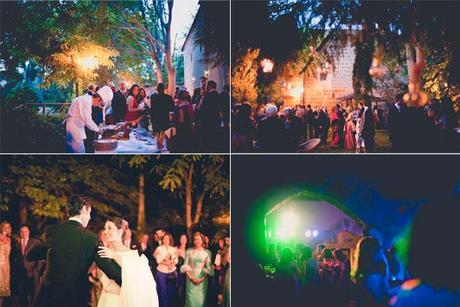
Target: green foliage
(45,183)
(25,130)
(244,77)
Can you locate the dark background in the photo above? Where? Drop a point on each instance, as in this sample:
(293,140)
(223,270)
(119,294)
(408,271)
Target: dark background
(381,190)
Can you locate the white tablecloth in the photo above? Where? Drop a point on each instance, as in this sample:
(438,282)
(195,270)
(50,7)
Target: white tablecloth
(134,146)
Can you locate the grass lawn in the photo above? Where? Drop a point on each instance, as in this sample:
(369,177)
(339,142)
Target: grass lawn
(382,144)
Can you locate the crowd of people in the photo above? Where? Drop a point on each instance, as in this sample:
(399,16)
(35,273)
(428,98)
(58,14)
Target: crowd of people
(200,122)
(127,270)
(351,128)
(372,275)
(269,130)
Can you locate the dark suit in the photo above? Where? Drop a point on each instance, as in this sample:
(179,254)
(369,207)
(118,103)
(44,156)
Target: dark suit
(162,105)
(69,250)
(119,106)
(397,123)
(28,272)
(210,128)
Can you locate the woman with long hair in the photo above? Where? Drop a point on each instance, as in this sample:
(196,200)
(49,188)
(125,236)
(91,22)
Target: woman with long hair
(370,273)
(132,112)
(5,265)
(138,285)
(197,268)
(184,116)
(166,275)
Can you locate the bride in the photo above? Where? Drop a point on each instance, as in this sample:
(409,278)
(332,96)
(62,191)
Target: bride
(138,287)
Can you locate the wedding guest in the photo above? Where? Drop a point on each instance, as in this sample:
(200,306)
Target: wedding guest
(323,124)
(336,127)
(294,130)
(198,93)
(270,131)
(28,273)
(133,109)
(243,129)
(370,273)
(6,263)
(166,256)
(184,116)
(210,114)
(181,251)
(397,118)
(197,268)
(349,131)
(161,110)
(119,103)
(434,282)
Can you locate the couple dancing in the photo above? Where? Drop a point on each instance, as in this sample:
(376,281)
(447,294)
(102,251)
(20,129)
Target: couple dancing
(70,250)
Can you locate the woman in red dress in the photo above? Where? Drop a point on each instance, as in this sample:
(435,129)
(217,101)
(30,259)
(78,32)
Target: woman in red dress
(132,112)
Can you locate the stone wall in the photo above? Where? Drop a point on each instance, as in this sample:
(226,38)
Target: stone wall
(316,92)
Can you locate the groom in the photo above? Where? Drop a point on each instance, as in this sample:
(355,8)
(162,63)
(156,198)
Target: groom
(70,250)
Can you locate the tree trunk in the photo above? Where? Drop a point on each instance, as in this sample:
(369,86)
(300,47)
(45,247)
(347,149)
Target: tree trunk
(141,205)
(188,201)
(22,212)
(199,208)
(76,89)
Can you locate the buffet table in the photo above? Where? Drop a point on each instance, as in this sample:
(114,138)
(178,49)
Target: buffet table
(140,141)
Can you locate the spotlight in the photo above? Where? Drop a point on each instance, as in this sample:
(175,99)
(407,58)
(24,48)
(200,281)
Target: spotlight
(315,233)
(308,233)
(281,233)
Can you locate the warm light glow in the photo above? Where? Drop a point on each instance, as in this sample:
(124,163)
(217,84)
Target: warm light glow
(289,219)
(88,63)
(267,65)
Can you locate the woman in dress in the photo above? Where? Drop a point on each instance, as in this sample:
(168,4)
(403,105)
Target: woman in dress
(166,275)
(5,265)
(132,112)
(349,131)
(335,124)
(138,285)
(197,268)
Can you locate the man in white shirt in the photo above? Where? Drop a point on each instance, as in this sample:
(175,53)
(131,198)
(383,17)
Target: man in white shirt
(79,116)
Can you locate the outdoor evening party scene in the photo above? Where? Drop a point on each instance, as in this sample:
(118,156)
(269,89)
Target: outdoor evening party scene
(345,76)
(115,76)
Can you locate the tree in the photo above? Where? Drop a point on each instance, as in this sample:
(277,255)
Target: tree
(148,32)
(38,186)
(195,179)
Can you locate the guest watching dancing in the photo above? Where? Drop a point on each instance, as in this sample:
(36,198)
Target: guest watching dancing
(5,261)
(197,267)
(166,275)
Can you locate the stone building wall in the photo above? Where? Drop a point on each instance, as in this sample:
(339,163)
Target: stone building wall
(318,91)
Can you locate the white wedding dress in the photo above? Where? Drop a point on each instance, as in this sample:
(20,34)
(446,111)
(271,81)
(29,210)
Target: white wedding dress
(138,287)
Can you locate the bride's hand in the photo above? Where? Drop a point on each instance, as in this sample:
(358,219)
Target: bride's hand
(106,252)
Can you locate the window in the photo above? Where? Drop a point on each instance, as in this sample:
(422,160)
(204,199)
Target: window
(322,76)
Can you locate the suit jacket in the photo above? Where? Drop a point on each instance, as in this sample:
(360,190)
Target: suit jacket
(210,111)
(119,107)
(162,105)
(69,250)
(25,267)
